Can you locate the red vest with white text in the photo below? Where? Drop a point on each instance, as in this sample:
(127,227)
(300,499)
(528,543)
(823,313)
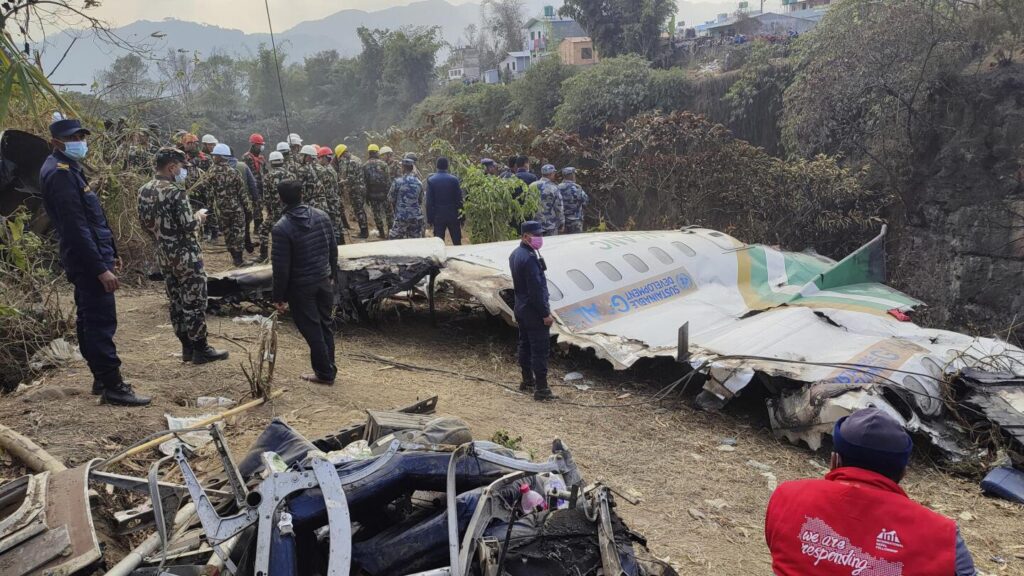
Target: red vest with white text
(855,522)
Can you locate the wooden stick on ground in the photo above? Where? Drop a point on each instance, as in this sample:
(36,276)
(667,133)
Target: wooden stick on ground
(28,452)
(206,422)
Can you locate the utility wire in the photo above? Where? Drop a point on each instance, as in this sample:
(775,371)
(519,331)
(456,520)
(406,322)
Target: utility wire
(277,67)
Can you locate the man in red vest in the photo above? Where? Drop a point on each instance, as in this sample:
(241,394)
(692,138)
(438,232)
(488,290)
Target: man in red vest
(857,521)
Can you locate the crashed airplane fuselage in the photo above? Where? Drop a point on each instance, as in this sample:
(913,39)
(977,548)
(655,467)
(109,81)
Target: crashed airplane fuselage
(826,337)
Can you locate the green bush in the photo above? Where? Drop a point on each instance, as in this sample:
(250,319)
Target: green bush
(610,91)
(539,92)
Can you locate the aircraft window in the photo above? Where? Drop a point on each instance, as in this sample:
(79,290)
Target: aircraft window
(609,271)
(685,249)
(635,262)
(580,279)
(660,255)
(554,294)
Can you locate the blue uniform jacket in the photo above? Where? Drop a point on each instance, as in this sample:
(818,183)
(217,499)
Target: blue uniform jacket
(87,246)
(444,197)
(531,287)
(528,177)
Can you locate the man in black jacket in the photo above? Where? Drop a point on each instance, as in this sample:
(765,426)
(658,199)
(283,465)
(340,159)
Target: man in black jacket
(444,203)
(532,311)
(305,262)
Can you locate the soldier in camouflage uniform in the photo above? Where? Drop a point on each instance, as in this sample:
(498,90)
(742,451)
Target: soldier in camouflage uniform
(199,196)
(258,166)
(574,199)
(378,184)
(231,199)
(335,207)
(552,213)
(406,197)
(295,151)
(165,213)
(394,165)
(279,172)
(307,172)
(350,175)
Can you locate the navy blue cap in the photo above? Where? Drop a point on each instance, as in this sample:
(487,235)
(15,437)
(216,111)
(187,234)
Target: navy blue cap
(487,162)
(568,171)
(872,439)
(65,128)
(532,227)
(547,169)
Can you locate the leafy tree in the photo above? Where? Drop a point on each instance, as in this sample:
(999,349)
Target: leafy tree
(505,20)
(221,80)
(620,27)
(127,80)
(407,72)
(264,91)
(870,100)
(610,91)
(539,92)
(178,70)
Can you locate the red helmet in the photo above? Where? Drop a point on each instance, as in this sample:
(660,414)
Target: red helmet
(256,139)
(324,151)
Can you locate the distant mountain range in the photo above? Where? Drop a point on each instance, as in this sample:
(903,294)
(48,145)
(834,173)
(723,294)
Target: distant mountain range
(91,54)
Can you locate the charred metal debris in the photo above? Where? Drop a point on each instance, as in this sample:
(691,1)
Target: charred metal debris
(405,493)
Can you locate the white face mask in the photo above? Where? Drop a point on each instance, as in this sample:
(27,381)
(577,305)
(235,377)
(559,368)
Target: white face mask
(182,175)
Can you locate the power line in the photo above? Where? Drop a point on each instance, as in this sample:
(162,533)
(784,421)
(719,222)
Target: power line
(277,67)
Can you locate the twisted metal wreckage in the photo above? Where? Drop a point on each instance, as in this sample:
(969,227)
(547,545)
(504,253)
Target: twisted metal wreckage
(822,338)
(417,496)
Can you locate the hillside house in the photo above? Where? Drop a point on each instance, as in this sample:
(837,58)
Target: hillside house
(577,51)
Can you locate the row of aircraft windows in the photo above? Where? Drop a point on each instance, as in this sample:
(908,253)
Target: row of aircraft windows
(583,282)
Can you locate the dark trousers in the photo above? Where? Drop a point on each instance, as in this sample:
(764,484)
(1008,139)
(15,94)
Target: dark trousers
(311,307)
(454,227)
(534,344)
(96,323)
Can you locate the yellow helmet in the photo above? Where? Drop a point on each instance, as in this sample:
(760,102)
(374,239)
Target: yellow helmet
(340,149)
(373,148)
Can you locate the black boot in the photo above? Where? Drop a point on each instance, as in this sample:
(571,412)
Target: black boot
(186,348)
(205,353)
(364,232)
(527,384)
(117,392)
(236,258)
(543,391)
(264,253)
(97,387)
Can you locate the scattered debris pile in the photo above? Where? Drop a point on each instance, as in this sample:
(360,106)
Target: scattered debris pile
(369,273)
(405,493)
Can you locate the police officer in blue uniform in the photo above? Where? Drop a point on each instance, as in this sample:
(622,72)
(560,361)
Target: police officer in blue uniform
(89,256)
(532,310)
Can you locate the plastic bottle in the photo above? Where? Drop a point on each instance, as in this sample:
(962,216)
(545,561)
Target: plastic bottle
(530,500)
(555,486)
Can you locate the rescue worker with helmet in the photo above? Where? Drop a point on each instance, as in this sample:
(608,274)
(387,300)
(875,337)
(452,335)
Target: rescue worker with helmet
(231,199)
(378,184)
(335,209)
(280,171)
(350,174)
(857,519)
(257,164)
(306,173)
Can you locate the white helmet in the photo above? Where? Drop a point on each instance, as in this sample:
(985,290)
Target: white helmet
(294,140)
(210,139)
(221,150)
(276,156)
(283,147)
(386,150)
(308,150)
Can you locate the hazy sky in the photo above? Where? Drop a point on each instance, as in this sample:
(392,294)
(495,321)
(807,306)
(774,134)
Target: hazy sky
(249,15)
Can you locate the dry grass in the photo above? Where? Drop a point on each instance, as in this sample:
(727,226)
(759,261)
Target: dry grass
(702,507)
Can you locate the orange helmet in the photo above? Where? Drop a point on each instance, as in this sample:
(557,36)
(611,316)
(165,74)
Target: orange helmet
(256,139)
(324,151)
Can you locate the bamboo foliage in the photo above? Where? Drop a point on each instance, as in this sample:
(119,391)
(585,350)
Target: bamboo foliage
(22,82)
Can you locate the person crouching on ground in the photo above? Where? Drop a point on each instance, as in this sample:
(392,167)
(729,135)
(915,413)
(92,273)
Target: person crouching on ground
(304,257)
(857,520)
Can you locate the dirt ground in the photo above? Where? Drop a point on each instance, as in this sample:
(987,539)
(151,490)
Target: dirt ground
(702,504)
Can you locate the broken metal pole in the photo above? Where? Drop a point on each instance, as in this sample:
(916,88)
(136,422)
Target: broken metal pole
(28,452)
(148,546)
(683,343)
(202,423)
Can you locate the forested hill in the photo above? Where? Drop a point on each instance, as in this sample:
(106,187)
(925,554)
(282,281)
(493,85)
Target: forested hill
(335,32)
